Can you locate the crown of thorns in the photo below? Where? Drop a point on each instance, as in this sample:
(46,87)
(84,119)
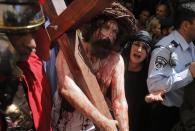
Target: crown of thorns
(122,14)
(116,11)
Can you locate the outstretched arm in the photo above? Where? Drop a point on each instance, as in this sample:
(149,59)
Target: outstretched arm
(73,94)
(155,96)
(120,106)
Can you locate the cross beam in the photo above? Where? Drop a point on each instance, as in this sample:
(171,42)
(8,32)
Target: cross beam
(77,12)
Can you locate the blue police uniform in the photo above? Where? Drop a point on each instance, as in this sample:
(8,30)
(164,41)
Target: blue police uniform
(163,75)
(169,71)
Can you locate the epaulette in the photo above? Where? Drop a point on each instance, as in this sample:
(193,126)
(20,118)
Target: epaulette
(173,44)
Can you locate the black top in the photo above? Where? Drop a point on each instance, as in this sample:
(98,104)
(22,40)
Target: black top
(138,109)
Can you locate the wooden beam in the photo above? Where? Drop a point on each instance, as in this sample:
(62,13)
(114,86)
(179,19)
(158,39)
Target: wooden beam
(83,77)
(49,11)
(43,43)
(77,12)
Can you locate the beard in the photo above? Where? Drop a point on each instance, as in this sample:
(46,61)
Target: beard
(101,48)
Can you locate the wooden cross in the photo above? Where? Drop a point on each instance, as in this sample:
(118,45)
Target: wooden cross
(78,12)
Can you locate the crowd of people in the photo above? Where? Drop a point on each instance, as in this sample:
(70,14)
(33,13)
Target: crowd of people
(143,63)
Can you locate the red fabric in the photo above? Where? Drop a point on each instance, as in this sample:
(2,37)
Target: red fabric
(41,2)
(39,92)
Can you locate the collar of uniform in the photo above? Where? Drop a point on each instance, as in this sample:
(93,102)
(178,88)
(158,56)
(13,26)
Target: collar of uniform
(180,40)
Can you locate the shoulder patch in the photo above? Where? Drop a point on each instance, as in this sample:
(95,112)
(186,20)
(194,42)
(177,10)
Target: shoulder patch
(160,62)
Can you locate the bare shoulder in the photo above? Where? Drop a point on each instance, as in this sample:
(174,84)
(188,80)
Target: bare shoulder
(117,61)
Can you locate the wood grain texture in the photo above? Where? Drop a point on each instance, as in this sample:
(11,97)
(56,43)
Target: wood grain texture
(77,12)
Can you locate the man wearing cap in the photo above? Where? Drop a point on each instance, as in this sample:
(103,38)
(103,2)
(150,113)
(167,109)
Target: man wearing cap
(26,100)
(171,68)
(107,66)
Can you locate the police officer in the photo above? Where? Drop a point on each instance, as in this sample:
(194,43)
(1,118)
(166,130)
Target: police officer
(171,68)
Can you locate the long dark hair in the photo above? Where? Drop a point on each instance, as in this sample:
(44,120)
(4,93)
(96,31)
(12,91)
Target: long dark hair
(118,13)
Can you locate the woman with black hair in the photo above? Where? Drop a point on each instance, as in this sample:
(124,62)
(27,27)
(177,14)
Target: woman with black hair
(136,58)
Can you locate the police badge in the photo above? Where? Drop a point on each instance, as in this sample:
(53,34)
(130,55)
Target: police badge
(160,62)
